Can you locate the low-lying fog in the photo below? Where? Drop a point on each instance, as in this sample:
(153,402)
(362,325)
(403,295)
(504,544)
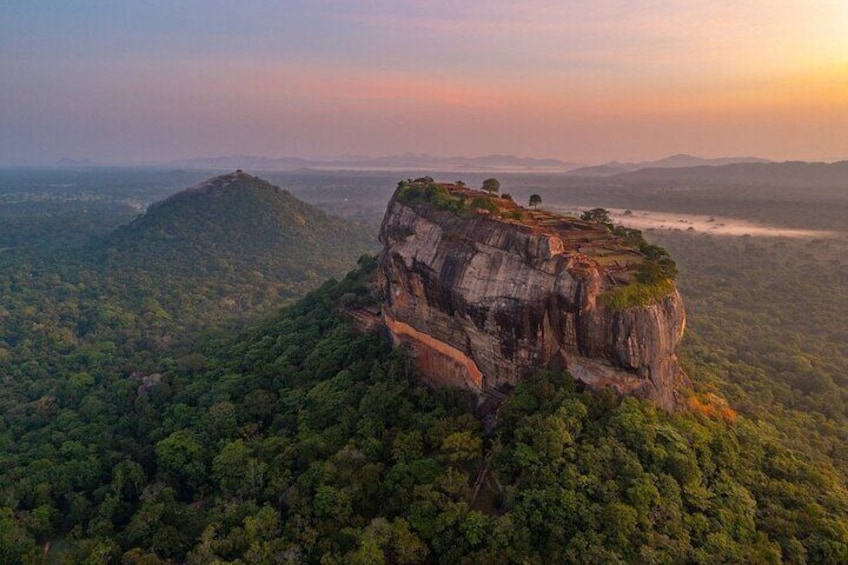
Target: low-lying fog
(715,225)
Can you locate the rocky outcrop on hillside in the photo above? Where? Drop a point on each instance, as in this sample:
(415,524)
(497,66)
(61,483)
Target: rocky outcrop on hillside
(487,295)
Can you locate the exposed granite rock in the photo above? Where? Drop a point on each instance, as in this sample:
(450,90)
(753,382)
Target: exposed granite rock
(484,302)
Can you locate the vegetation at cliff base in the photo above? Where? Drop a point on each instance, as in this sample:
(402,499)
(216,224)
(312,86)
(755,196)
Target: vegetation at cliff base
(306,440)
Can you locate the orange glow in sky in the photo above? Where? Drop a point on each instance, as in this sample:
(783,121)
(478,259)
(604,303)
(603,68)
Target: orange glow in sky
(579,81)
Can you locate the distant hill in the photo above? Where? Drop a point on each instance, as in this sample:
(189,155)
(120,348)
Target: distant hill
(230,162)
(404,162)
(236,234)
(680,160)
(789,173)
(684,160)
(607,170)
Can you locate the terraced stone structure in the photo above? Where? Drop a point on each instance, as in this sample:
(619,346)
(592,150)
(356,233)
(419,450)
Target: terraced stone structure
(487,292)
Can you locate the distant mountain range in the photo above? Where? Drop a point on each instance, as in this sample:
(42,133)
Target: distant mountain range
(425,162)
(724,169)
(678,161)
(404,162)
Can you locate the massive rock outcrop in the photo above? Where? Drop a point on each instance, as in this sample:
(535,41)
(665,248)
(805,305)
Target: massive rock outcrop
(486,294)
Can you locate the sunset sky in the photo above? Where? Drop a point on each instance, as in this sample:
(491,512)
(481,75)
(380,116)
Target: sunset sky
(156,80)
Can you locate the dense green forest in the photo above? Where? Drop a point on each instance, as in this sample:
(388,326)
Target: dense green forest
(142,423)
(767,330)
(303,441)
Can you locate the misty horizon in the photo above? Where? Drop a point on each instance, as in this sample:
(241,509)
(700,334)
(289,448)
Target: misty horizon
(401,161)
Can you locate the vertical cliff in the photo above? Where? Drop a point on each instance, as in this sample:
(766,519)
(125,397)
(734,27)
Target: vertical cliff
(486,292)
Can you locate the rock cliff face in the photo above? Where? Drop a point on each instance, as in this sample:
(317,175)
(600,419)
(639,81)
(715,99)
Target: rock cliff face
(484,301)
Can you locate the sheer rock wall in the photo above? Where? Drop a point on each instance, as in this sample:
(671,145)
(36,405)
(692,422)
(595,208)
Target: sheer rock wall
(485,302)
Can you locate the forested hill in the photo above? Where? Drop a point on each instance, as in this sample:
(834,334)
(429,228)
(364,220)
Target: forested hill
(226,250)
(235,223)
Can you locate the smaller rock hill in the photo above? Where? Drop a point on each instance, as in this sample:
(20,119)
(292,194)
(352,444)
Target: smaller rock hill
(226,250)
(240,224)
